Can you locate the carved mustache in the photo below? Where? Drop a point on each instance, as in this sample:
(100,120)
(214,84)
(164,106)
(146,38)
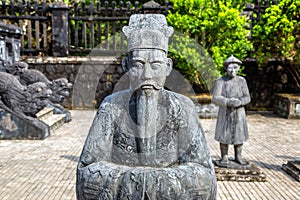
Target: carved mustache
(149,85)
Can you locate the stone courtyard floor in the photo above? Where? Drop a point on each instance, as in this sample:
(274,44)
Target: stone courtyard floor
(46,169)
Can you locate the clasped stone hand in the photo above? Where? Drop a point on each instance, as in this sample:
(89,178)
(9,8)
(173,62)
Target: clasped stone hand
(234,102)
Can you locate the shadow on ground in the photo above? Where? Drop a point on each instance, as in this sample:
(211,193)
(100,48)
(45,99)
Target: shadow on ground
(264,114)
(267,165)
(287,157)
(71,157)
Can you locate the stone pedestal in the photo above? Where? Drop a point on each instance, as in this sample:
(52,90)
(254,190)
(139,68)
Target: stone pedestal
(13,126)
(293,169)
(287,105)
(240,173)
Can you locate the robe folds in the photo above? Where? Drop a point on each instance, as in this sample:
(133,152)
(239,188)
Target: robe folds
(231,125)
(172,162)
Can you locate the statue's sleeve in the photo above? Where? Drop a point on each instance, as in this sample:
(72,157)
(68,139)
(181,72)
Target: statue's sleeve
(193,177)
(245,99)
(217,96)
(95,154)
(97,176)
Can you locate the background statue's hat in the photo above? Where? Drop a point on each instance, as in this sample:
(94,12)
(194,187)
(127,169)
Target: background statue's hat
(147,31)
(231,59)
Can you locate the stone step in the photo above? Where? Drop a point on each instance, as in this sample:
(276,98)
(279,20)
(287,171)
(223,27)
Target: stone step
(55,121)
(45,113)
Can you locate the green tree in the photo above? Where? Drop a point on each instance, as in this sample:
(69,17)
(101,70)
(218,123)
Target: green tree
(277,35)
(216,25)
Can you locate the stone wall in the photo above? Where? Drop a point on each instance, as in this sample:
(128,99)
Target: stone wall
(95,78)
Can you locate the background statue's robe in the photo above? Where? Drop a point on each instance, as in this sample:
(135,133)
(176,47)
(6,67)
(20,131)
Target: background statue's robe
(110,166)
(231,125)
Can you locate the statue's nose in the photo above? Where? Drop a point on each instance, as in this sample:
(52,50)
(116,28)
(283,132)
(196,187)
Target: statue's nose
(147,74)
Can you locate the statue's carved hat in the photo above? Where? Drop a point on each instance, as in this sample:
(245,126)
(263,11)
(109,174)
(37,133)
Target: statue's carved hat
(147,31)
(230,60)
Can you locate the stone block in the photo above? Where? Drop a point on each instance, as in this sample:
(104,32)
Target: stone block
(287,105)
(13,126)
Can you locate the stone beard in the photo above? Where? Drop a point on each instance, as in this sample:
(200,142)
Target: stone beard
(146,115)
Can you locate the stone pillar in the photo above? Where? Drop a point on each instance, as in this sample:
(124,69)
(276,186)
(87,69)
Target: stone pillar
(10,43)
(3,33)
(60,31)
(248,12)
(16,34)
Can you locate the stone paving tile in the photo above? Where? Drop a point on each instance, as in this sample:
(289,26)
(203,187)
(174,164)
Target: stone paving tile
(46,169)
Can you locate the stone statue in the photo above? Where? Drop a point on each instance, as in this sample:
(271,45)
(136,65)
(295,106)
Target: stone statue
(26,76)
(146,142)
(231,94)
(19,105)
(23,100)
(59,87)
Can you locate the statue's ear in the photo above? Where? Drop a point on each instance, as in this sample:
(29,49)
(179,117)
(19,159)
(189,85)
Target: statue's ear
(125,64)
(169,66)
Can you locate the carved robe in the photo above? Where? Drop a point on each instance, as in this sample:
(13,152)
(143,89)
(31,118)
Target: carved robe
(173,162)
(231,125)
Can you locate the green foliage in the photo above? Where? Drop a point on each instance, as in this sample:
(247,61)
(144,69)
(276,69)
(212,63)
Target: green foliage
(216,25)
(277,34)
(193,61)
(161,2)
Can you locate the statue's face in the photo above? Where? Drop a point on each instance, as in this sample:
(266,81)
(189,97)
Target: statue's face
(148,69)
(232,69)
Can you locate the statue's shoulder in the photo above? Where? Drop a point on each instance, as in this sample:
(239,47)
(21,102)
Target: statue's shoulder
(222,79)
(227,78)
(116,98)
(182,99)
(241,79)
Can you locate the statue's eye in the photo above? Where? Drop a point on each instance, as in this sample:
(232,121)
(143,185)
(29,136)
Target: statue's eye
(138,65)
(156,66)
(39,89)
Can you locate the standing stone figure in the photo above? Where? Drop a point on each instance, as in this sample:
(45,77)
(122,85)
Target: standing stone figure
(146,142)
(231,94)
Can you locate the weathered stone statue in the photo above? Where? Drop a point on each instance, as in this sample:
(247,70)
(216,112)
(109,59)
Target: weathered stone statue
(18,106)
(146,142)
(231,94)
(23,100)
(59,87)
